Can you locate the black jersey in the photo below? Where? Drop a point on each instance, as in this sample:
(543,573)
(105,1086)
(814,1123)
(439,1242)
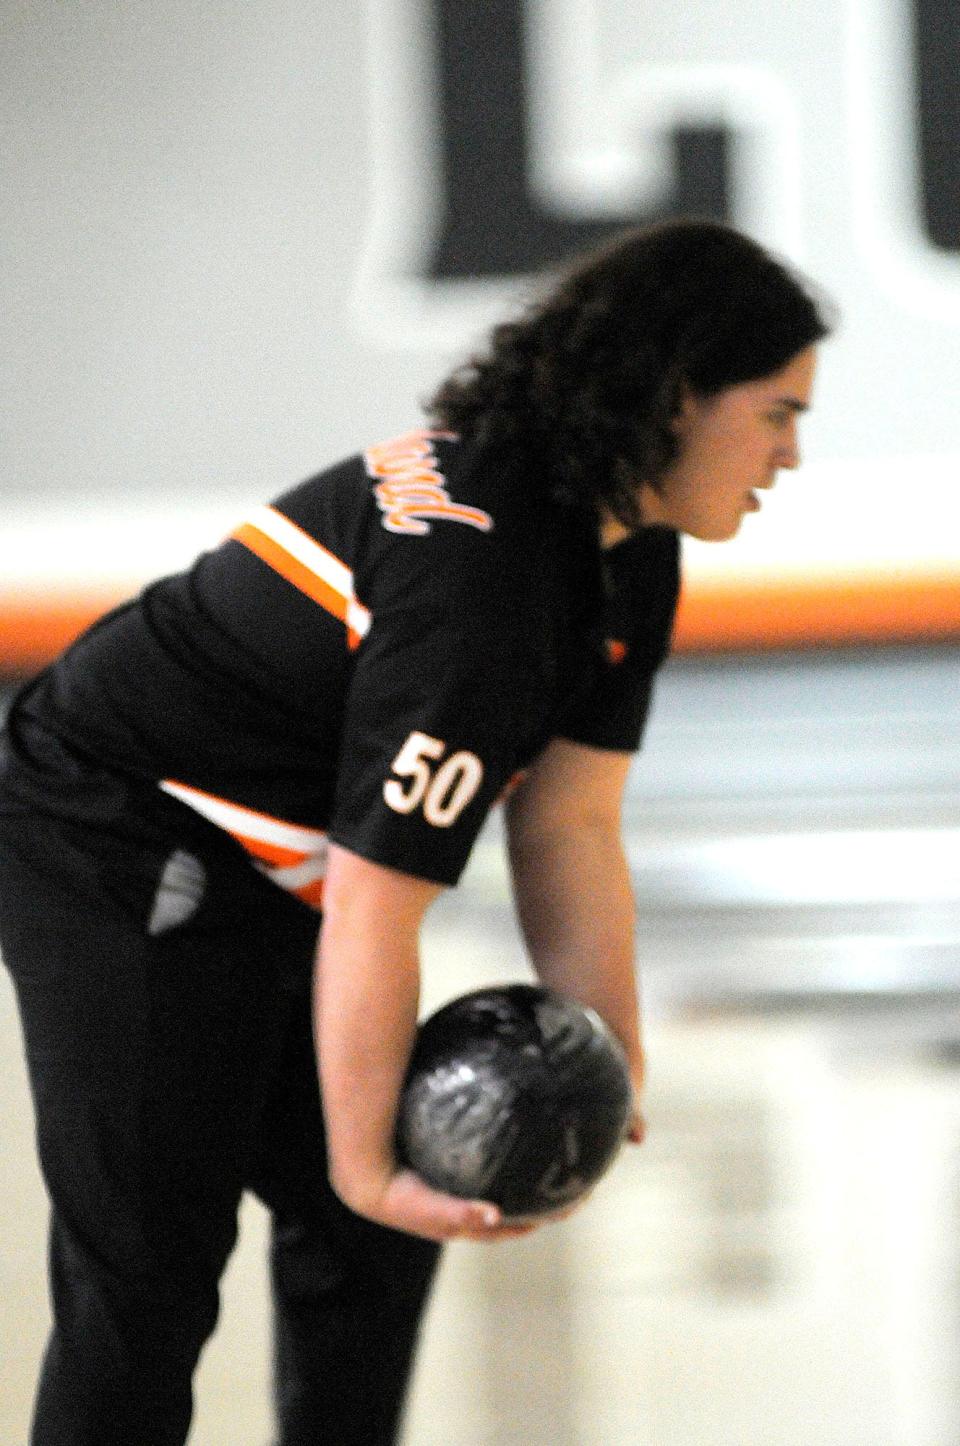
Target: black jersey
(370,660)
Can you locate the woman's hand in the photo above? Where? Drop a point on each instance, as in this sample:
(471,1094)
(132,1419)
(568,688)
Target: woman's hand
(405,1202)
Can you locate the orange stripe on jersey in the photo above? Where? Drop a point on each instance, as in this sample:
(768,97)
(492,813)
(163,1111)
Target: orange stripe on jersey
(274,556)
(311,894)
(289,854)
(302,561)
(267,853)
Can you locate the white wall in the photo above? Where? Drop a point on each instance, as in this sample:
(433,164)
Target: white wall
(206,208)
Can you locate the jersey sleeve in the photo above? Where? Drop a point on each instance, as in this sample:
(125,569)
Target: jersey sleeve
(612,714)
(642,590)
(434,720)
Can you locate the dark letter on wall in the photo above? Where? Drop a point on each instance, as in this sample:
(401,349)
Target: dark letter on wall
(490,224)
(937,51)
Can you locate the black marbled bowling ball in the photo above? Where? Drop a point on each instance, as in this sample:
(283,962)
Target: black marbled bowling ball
(515,1094)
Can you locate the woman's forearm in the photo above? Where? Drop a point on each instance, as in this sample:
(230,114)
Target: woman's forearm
(576,909)
(366,989)
(366,992)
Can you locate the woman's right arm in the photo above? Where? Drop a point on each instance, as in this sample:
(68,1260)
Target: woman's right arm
(366,994)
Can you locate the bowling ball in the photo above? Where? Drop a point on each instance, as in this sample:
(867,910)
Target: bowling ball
(514,1094)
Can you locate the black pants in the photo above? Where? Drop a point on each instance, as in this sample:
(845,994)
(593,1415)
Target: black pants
(170,1072)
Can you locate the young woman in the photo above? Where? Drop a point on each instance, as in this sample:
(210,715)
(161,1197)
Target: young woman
(318,716)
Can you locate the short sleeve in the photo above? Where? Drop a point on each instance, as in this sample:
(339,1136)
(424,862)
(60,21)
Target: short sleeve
(642,583)
(436,714)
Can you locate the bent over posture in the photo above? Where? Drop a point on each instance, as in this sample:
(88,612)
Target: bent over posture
(318,716)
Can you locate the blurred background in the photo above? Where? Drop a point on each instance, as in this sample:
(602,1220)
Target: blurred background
(239,241)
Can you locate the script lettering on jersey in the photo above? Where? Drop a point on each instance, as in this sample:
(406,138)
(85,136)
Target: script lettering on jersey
(411,487)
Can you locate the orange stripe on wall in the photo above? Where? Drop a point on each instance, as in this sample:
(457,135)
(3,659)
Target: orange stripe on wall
(34,631)
(827,612)
(713,616)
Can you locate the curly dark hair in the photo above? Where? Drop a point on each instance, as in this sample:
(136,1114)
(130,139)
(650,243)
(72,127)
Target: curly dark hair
(581,389)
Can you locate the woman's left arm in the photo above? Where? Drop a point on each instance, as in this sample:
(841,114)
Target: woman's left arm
(572,887)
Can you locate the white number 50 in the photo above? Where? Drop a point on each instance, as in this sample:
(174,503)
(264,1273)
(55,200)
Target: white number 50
(443,793)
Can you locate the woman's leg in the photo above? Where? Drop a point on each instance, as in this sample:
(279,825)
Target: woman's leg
(148,1058)
(348,1294)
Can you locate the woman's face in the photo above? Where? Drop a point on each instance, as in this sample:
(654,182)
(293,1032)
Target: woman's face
(730,447)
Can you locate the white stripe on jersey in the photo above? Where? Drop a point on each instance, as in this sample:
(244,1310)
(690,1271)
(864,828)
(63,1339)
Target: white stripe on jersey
(297,876)
(315,558)
(247,822)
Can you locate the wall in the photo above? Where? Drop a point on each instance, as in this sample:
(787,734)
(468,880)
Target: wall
(241,240)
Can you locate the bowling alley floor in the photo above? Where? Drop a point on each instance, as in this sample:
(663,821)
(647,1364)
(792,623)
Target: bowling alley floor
(780,1264)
